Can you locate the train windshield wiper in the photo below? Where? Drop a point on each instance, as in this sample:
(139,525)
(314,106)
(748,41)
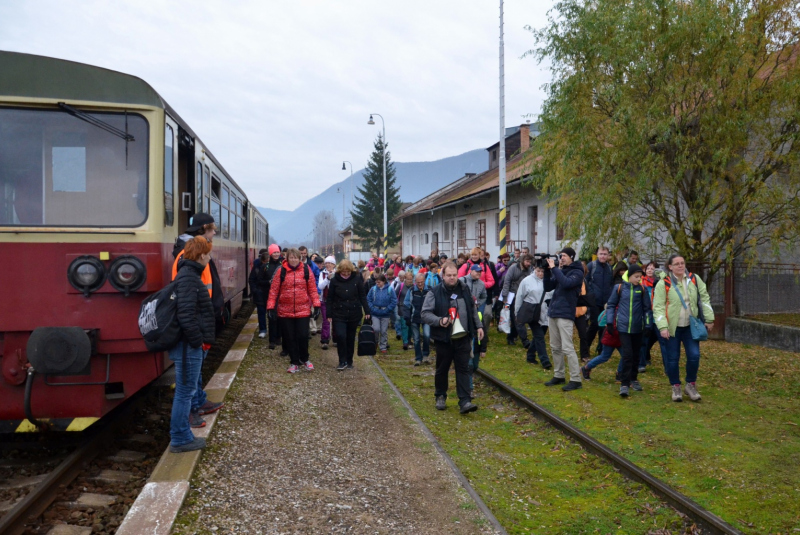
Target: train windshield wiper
(97,122)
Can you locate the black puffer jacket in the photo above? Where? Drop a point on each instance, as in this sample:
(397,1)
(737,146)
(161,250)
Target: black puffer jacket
(346,298)
(260,278)
(195,311)
(217,298)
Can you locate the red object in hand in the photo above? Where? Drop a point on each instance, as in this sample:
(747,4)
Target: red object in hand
(206,347)
(453,314)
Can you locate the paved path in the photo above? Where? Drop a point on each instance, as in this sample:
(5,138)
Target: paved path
(321,452)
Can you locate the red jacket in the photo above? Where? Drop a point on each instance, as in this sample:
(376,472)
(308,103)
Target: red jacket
(486,273)
(297,295)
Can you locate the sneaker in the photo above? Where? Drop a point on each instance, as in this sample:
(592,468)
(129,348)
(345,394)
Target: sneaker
(417,362)
(623,391)
(691,391)
(195,420)
(572,385)
(383,351)
(324,347)
(676,393)
(468,407)
(284,354)
(293,369)
(642,369)
(555,381)
(197,444)
(262,334)
(309,366)
(350,366)
(636,385)
(586,372)
(342,366)
(441,403)
(547,366)
(526,344)
(426,360)
(405,347)
(209,406)
(398,337)
(271,346)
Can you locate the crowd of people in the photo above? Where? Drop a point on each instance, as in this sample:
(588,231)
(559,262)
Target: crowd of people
(448,305)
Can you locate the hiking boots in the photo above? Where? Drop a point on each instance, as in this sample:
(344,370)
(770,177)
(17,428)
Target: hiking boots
(623,391)
(208,407)
(417,362)
(691,391)
(468,407)
(555,381)
(676,393)
(197,444)
(441,403)
(195,420)
(586,372)
(572,385)
(636,385)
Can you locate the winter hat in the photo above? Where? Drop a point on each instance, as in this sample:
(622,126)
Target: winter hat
(274,248)
(635,268)
(476,267)
(380,261)
(569,251)
(197,221)
(330,260)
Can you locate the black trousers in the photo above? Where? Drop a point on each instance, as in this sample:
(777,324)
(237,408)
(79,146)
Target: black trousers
(582,326)
(457,352)
(594,329)
(274,331)
(344,332)
(631,350)
(520,330)
(295,339)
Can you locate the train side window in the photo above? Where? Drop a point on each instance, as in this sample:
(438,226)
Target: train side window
(198,189)
(226,232)
(206,191)
(169,144)
(216,187)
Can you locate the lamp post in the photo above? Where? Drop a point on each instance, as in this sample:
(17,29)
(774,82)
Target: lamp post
(385,219)
(341,190)
(344,168)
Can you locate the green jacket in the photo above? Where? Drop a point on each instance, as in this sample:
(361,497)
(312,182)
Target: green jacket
(667,306)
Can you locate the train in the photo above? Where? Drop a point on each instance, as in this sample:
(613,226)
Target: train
(99,175)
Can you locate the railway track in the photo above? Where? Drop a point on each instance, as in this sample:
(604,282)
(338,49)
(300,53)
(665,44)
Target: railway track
(706,520)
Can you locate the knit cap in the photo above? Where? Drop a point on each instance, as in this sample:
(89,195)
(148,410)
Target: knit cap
(274,248)
(330,260)
(635,268)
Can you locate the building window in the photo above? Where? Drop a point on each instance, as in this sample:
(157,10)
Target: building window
(480,233)
(462,233)
(447,231)
(559,232)
(435,240)
(494,155)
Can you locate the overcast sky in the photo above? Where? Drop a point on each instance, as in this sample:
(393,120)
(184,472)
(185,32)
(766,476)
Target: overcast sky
(281,91)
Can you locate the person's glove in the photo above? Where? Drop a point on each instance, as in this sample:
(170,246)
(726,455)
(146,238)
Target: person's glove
(273,314)
(612,330)
(206,347)
(315,312)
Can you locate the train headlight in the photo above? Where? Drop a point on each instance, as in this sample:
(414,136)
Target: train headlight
(127,274)
(86,274)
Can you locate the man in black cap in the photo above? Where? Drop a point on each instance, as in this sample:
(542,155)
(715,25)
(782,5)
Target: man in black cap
(202,224)
(566,280)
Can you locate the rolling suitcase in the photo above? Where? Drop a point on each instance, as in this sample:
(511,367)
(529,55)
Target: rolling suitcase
(366,340)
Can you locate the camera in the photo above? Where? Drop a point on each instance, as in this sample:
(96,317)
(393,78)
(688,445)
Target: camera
(540,260)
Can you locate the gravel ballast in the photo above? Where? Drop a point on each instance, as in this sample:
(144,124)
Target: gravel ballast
(321,452)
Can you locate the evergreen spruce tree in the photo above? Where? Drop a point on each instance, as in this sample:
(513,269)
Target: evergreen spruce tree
(367,212)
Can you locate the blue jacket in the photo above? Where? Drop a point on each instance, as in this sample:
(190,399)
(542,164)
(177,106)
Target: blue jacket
(631,306)
(599,281)
(314,269)
(566,282)
(414,301)
(432,280)
(382,301)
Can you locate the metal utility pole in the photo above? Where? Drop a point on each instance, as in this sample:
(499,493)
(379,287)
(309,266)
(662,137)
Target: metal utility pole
(502,163)
(385,218)
(344,168)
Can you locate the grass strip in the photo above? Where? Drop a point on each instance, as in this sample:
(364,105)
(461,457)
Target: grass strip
(532,477)
(735,453)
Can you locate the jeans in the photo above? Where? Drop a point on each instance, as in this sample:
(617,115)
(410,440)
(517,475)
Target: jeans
(295,339)
(189,392)
(563,349)
(262,317)
(602,358)
(538,345)
(683,335)
(381,326)
(401,328)
(345,334)
(631,351)
(456,352)
(421,350)
(325,336)
(582,324)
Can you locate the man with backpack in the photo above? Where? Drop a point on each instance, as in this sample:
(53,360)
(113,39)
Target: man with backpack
(421,332)
(599,281)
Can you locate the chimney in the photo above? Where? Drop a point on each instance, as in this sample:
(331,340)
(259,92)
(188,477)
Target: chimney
(524,137)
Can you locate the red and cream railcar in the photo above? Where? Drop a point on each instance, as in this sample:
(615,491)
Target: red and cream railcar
(98,177)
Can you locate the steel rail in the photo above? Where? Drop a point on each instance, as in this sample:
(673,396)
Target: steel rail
(706,519)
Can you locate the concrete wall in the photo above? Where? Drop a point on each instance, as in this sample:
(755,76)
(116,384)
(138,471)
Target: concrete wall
(743,331)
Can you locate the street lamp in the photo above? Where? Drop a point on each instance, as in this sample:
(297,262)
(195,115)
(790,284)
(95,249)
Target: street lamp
(385,231)
(344,168)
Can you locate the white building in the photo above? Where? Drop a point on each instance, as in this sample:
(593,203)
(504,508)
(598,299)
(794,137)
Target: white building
(464,214)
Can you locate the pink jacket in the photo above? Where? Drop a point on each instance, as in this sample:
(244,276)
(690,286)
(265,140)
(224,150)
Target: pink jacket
(486,273)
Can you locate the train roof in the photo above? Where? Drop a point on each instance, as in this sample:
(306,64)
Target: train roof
(32,76)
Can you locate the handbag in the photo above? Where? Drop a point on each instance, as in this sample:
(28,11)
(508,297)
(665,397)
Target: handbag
(696,325)
(529,312)
(611,340)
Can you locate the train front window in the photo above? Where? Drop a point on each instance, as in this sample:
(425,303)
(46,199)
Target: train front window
(57,170)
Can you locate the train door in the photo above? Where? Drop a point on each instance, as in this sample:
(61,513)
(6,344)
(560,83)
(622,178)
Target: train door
(186,192)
